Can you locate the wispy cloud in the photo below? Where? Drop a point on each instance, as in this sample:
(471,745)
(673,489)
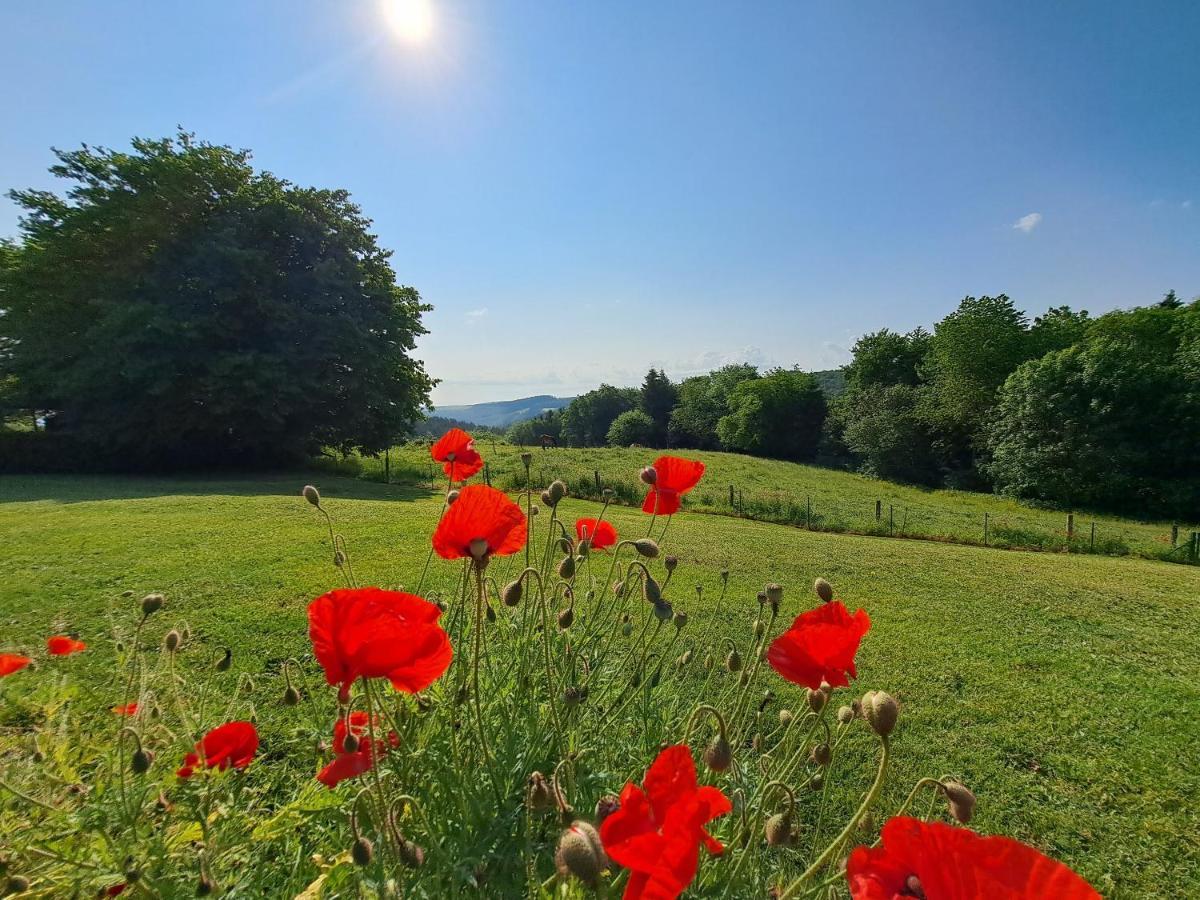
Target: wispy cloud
(475,315)
(1028,223)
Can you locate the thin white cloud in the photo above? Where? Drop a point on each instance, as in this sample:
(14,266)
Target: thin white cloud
(1028,223)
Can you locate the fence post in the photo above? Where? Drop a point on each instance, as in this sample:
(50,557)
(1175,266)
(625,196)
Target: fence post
(878,510)
(387,466)
(808,513)
(1070,526)
(985,529)
(891,518)
(1195,545)
(487,474)
(1093,535)
(732,503)
(597,471)
(1174,535)
(741,503)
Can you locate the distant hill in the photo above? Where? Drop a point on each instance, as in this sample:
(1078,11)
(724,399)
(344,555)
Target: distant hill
(503,413)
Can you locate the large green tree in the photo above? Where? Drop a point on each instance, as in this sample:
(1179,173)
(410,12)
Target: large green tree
(779,415)
(659,396)
(176,307)
(703,400)
(586,420)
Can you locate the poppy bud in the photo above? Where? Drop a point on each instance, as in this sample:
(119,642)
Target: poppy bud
(339,558)
(412,855)
(744,677)
(533,511)
(684,658)
(856,708)
(656,678)
(680,619)
(538,793)
(759,628)
(291,696)
(527,459)
(580,853)
(566,617)
(162,803)
(205,887)
(133,875)
(881,711)
(821,754)
(312,495)
(761,597)
(826,688)
(768,698)
(139,764)
(845,715)
(584,548)
(606,806)
(17,884)
(756,742)
(671,563)
(152,603)
(663,611)
(651,592)
(566,568)
(546,498)
(226,661)
(451,496)
(627,629)
(186,634)
(362,851)
(733,661)
(961,800)
(126,594)
(647,547)
(572,696)
(618,587)
(824,590)
(350,742)
(489,613)
(512,593)
(564,546)
(817,783)
(774,593)
(171,641)
(816,700)
(786,717)
(779,830)
(557,491)
(718,755)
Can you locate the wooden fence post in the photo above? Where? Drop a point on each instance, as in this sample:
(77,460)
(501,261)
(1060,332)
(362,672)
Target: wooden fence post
(732,504)
(808,513)
(891,518)
(985,529)
(387,466)
(1093,536)
(1174,535)
(878,510)
(597,471)
(1070,526)
(1195,546)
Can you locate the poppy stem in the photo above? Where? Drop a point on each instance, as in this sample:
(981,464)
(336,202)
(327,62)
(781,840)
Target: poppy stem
(476,701)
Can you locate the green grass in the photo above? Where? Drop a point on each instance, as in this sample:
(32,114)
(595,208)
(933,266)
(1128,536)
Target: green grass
(1063,689)
(829,500)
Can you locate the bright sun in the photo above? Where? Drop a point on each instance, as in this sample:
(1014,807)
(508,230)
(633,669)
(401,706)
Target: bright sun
(411,20)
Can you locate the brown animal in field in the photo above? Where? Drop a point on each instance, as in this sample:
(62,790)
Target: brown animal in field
(548,441)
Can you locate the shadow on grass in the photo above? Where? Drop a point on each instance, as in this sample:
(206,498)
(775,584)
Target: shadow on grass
(90,488)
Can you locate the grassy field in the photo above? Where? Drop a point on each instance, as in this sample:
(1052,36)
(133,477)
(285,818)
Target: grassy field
(788,493)
(1063,689)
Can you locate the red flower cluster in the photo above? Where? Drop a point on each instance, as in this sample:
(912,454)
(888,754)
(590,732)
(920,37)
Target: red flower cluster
(12,662)
(482,523)
(352,763)
(600,536)
(820,646)
(455,450)
(62,645)
(658,829)
(129,709)
(673,477)
(232,744)
(372,633)
(943,862)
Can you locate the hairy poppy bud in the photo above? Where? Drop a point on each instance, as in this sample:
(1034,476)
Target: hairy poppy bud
(580,853)
(339,558)
(709,661)
(647,547)
(584,548)
(725,575)
(618,587)
(779,831)
(824,590)
(756,742)
(412,855)
(171,641)
(774,593)
(821,754)
(312,495)
(512,593)
(566,617)
(733,661)
(546,498)
(649,475)
(140,763)
(759,628)
(663,611)
(881,711)
(786,717)
(489,613)
(527,459)
(185,633)
(816,700)
(362,851)
(961,800)
(557,491)
(718,755)
(538,792)
(564,545)
(680,620)
(627,629)
(671,563)
(533,511)
(761,597)
(606,806)
(566,568)
(226,661)
(291,696)
(651,592)
(817,782)
(152,603)
(684,658)
(451,496)
(845,715)
(17,884)
(205,887)
(350,742)
(572,696)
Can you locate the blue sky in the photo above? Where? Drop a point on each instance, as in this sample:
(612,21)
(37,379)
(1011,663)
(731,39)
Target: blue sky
(583,190)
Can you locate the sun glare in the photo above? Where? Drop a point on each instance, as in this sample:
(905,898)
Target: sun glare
(410,20)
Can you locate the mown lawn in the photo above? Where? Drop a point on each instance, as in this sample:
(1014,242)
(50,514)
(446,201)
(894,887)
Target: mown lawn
(775,491)
(1064,689)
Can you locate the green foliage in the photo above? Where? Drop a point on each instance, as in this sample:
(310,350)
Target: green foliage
(779,415)
(632,427)
(886,431)
(659,397)
(885,357)
(703,400)
(176,307)
(585,422)
(529,432)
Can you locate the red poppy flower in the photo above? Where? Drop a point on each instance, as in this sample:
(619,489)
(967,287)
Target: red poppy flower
(482,523)
(599,536)
(372,633)
(673,477)
(658,829)
(943,862)
(129,709)
(12,662)
(61,645)
(820,646)
(116,890)
(232,744)
(455,450)
(350,764)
